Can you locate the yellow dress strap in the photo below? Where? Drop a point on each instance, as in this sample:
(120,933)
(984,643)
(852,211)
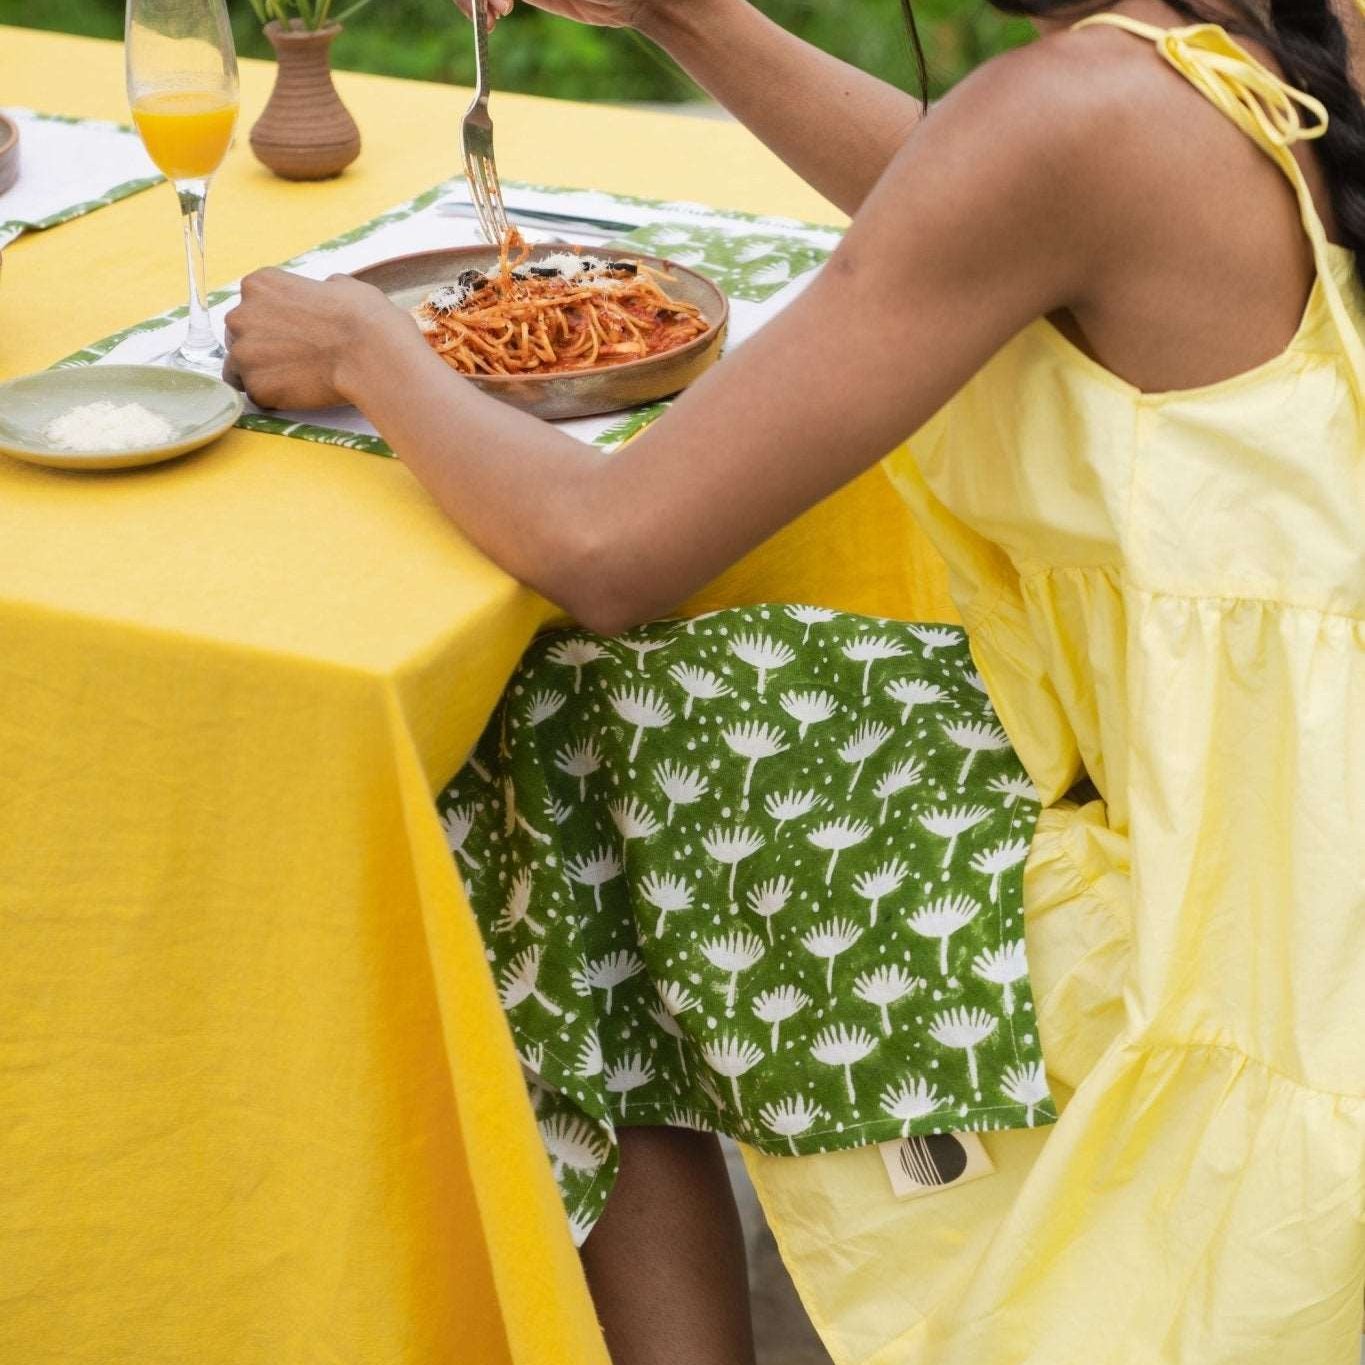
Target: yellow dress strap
(1274,115)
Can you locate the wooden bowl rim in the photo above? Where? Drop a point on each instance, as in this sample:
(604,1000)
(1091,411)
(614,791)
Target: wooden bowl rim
(697,344)
(7,144)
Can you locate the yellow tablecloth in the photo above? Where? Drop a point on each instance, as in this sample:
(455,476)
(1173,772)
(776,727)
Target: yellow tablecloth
(257,1099)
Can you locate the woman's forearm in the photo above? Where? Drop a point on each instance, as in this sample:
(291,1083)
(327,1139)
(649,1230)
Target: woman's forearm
(835,126)
(516,486)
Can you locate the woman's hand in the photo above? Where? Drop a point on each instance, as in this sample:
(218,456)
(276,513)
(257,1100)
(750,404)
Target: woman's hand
(292,341)
(602,13)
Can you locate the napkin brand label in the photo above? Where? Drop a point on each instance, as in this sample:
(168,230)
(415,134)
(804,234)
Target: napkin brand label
(936,1161)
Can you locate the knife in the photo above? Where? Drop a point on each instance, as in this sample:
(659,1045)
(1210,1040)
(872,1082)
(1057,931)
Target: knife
(457,208)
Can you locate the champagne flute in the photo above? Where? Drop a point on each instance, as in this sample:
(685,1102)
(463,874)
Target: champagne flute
(182,85)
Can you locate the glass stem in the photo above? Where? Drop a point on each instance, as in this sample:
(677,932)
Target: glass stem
(199,338)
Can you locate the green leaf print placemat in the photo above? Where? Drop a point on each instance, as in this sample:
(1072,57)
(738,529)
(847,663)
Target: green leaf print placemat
(69,167)
(761,263)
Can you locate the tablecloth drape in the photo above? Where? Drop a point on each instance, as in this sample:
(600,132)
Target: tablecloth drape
(257,1099)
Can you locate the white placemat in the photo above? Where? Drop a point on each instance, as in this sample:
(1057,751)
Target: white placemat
(67,167)
(761,263)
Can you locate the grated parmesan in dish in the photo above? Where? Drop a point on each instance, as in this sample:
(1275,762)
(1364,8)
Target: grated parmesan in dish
(108,426)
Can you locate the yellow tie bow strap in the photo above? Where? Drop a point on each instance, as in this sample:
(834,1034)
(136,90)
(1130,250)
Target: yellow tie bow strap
(1269,110)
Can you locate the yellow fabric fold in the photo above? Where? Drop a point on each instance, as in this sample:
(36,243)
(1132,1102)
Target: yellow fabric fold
(1168,590)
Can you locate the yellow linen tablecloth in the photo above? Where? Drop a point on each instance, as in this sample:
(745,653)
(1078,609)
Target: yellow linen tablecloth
(257,1099)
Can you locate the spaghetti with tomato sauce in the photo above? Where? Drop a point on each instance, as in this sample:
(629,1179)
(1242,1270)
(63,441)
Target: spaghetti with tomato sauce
(563,313)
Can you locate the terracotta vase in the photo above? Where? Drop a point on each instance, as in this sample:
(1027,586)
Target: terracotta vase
(306,133)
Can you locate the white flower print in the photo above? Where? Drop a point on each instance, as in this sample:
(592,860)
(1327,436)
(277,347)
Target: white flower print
(516,908)
(974,679)
(911,1100)
(870,649)
(673,1001)
(633,820)
(880,882)
(681,786)
(790,1117)
(730,847)
(512,818)
(700,684)
(883,987)
(866,740)
(629,1074)
(606,973)
(894,781)
(518,983)
(770,898)
(936,637)
(688,1118)
(735,953)
(577,654)
(941,920)
(965,1030)
(1002,967)
(642,647)
(676,998)
(808,708)
(543,705)
(755,741)
(811,616)
(975,738)
(998,860)
(784,806)
(582,761)
(642,708)
(731,1057)
(596,870)
(1013,788)
(952,823)
(589,1061)
(1026,1085)
(763,654)
(835,837)
(913,692)
(828,941)
(778,1005)
(667,894)
(457,824)
(570,1142)
(776,271)
(844,1047)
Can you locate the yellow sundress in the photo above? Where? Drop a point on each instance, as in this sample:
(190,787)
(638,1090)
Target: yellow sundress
(1164,592)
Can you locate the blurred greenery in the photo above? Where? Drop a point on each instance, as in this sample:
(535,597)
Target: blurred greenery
(535,52)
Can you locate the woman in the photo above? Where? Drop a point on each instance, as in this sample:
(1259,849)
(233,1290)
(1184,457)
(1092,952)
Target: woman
(1112,284)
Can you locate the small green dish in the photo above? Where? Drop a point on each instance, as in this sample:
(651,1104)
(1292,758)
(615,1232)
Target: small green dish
(198,407)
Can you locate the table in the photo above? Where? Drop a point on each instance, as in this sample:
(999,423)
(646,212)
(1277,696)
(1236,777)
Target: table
(257,1099)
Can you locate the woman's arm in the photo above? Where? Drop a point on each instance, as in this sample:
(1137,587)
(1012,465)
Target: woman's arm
(835,126)
(960,246)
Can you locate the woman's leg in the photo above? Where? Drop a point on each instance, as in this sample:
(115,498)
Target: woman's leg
(666,1260)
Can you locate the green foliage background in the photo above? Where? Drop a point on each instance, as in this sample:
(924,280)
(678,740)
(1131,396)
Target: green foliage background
(428,40)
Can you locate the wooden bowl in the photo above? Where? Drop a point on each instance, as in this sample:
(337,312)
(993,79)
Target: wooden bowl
(9,153)
(407,280)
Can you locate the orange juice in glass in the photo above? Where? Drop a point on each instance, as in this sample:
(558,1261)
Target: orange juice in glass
(186,132)
(182,86)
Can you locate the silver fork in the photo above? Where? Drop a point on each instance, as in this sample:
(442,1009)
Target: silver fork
(476,137)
